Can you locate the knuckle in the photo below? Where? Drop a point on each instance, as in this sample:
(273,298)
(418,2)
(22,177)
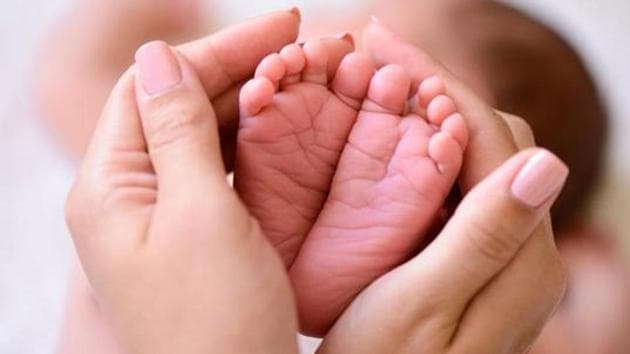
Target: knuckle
(496,242)
(520,128)
(83,207)
(75,209)
(556,279)
(172,122)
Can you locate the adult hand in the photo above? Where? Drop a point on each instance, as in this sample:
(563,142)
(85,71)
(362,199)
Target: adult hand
(174,258)
(493,276)
(222,61)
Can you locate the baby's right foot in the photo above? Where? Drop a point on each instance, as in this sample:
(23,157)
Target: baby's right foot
(391,181)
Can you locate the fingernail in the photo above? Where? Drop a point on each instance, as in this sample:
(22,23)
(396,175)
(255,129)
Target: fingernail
(540,179)
(296,11)
(346,37)
(158,69)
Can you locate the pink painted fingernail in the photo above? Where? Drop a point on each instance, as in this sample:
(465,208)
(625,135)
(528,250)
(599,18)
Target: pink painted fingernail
(158,69)
(541,178)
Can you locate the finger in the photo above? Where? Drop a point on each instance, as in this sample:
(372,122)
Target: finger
(429,295)
(118,129)
(222,59)
(115,179)
(490,226)
(178,121)
(517,304)
(506,307)
(226,110)
(520,129)
(491,142)
(230,56)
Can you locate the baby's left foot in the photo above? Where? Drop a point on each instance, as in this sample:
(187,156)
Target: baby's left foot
(295,122)
(391,181)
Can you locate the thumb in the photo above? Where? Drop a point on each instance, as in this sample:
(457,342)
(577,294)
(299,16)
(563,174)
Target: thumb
(178,120)
(492,223)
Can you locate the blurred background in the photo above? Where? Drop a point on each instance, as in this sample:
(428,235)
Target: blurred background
(47,111)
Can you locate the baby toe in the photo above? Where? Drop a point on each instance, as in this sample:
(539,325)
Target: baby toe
(429,89)
(352,79)
(446,152)
(388,91)
(294,61)
(255,95)
(316,70)
(439,108)
(271,67)
(455,125)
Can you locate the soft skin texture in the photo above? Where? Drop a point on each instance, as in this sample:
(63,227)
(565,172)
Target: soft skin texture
(539,266)
(392,179)
(345,177)
(139,230)
(513,278)
(220,74)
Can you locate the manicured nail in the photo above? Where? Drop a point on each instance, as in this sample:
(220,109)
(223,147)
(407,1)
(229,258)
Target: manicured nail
(158,69)
(346,37)
(296,11)
(542,177)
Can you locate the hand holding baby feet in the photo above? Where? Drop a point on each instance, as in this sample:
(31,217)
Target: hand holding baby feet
(175,260)
(344,181)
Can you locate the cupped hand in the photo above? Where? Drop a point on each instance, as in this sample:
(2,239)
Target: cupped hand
(151,213)
(175,260)
(493,276)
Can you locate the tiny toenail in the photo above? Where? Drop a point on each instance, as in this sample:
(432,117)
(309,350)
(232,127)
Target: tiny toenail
(433,83)
(346,37)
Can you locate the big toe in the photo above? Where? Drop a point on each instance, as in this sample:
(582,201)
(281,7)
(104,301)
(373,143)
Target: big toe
(316,70)
(388,91)
(352,79)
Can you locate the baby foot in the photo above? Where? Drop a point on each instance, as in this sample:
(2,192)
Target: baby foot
(294,125)
(393,177)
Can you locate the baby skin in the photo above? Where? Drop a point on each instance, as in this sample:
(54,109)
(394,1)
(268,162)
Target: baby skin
(345,174)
